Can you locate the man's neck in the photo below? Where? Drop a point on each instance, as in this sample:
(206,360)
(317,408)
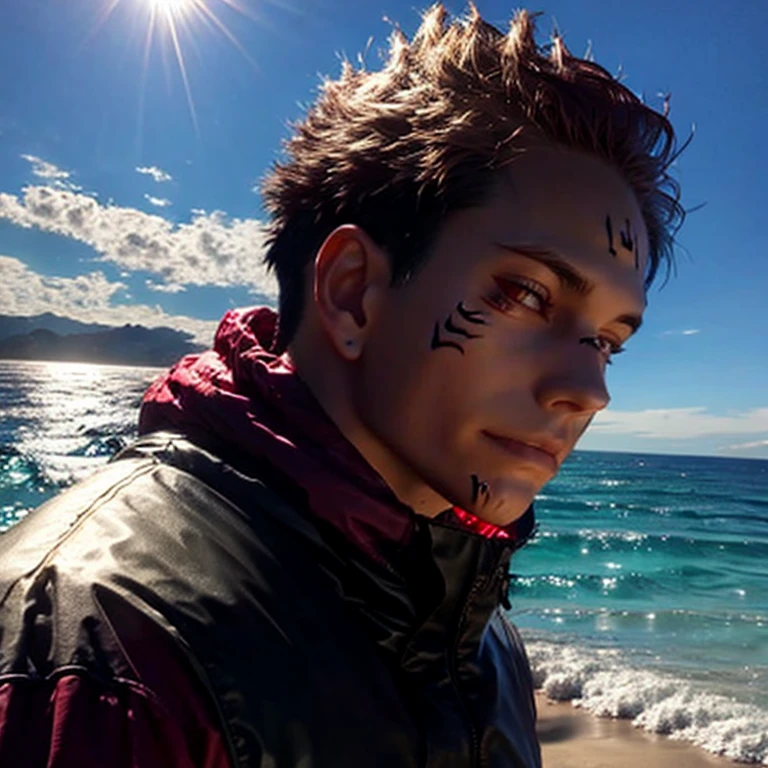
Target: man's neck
(331,382)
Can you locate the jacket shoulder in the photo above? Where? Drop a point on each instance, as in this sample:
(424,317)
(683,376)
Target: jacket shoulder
(47,528)
(236,578)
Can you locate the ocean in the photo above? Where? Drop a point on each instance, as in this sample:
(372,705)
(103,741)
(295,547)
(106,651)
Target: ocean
(644,595)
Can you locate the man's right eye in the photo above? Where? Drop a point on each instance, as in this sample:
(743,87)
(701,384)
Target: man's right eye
(513,293)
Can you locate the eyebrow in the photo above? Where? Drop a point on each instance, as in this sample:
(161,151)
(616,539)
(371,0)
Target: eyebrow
(569,277)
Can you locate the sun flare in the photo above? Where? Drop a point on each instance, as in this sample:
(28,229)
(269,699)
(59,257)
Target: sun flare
(175,9)
(171,6)
(167,22)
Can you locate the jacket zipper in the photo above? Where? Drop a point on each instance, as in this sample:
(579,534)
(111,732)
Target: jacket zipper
(474,747)
(497,576)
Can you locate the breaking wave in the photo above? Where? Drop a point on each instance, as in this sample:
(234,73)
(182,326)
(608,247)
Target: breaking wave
(602,682)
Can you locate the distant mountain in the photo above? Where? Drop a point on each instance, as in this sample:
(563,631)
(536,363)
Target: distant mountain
(129,345)
(11,325)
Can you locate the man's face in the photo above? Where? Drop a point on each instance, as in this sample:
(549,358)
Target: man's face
(479,376)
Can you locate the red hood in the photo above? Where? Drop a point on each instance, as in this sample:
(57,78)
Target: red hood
(240,395)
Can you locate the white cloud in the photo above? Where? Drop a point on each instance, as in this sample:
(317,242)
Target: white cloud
(745,446)
(158,174)
(45,170)
(208,250)
(54,175)
(87,298)
(160,202)
(687,332)
(164,287)
(679,423)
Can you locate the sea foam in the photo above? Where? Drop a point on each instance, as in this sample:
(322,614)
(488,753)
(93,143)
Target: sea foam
(604,683)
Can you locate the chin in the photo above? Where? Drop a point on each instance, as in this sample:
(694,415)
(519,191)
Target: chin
(504,506)
(505,510)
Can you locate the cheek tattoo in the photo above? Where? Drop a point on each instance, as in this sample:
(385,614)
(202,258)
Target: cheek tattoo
(470,316)
(627,241)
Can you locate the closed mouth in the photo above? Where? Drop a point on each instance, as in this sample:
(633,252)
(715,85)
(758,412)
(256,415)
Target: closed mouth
(546,452)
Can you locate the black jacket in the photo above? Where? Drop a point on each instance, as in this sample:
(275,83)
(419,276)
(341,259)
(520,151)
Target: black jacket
(308,653)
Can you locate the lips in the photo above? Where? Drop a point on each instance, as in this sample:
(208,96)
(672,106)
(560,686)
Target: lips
(544,452)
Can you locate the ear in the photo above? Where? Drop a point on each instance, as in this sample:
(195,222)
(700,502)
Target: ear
(352,274)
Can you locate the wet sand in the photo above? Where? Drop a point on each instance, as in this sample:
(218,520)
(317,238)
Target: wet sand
(571,738)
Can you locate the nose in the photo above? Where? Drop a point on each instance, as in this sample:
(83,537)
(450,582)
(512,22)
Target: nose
(574,382)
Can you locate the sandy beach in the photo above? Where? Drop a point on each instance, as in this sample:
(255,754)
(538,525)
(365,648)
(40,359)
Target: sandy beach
(571,738)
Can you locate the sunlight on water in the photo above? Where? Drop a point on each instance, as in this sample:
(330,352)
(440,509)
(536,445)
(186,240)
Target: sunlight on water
(60,422)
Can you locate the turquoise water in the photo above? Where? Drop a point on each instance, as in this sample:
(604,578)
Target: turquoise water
(668,555)
(644,595)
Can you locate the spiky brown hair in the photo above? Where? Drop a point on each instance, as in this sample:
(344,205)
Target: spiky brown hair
(396,150)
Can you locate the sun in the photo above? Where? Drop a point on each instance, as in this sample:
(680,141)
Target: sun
(167,21)
(171,7)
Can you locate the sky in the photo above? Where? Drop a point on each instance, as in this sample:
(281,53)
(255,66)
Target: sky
(134,133)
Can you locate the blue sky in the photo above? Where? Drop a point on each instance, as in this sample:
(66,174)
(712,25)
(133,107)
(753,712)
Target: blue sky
(127,181)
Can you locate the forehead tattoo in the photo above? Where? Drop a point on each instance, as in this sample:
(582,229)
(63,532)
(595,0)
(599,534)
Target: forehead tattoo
(628,242)
(609,231)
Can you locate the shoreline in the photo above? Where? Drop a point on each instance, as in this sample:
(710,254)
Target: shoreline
(573,738)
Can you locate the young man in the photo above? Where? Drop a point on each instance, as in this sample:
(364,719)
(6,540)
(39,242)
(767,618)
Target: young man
(302,561)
